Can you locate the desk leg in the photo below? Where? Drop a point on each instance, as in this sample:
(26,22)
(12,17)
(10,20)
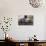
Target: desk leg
(35,44)
(17,44)
(25,44)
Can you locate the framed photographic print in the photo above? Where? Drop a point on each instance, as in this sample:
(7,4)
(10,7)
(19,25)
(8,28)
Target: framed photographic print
(25,20)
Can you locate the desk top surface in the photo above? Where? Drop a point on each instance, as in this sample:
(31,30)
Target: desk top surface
(26,41)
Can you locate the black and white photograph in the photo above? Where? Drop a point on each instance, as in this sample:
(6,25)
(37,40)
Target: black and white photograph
(25,20)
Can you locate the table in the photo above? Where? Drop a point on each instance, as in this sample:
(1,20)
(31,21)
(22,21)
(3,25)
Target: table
(28,43)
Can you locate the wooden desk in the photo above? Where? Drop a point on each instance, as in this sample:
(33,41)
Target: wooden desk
(28,43)
(31,43)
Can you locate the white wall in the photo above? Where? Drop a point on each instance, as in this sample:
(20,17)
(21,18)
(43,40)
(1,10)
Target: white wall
(15,8)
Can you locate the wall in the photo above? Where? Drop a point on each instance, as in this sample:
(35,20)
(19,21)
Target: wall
(15,8)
